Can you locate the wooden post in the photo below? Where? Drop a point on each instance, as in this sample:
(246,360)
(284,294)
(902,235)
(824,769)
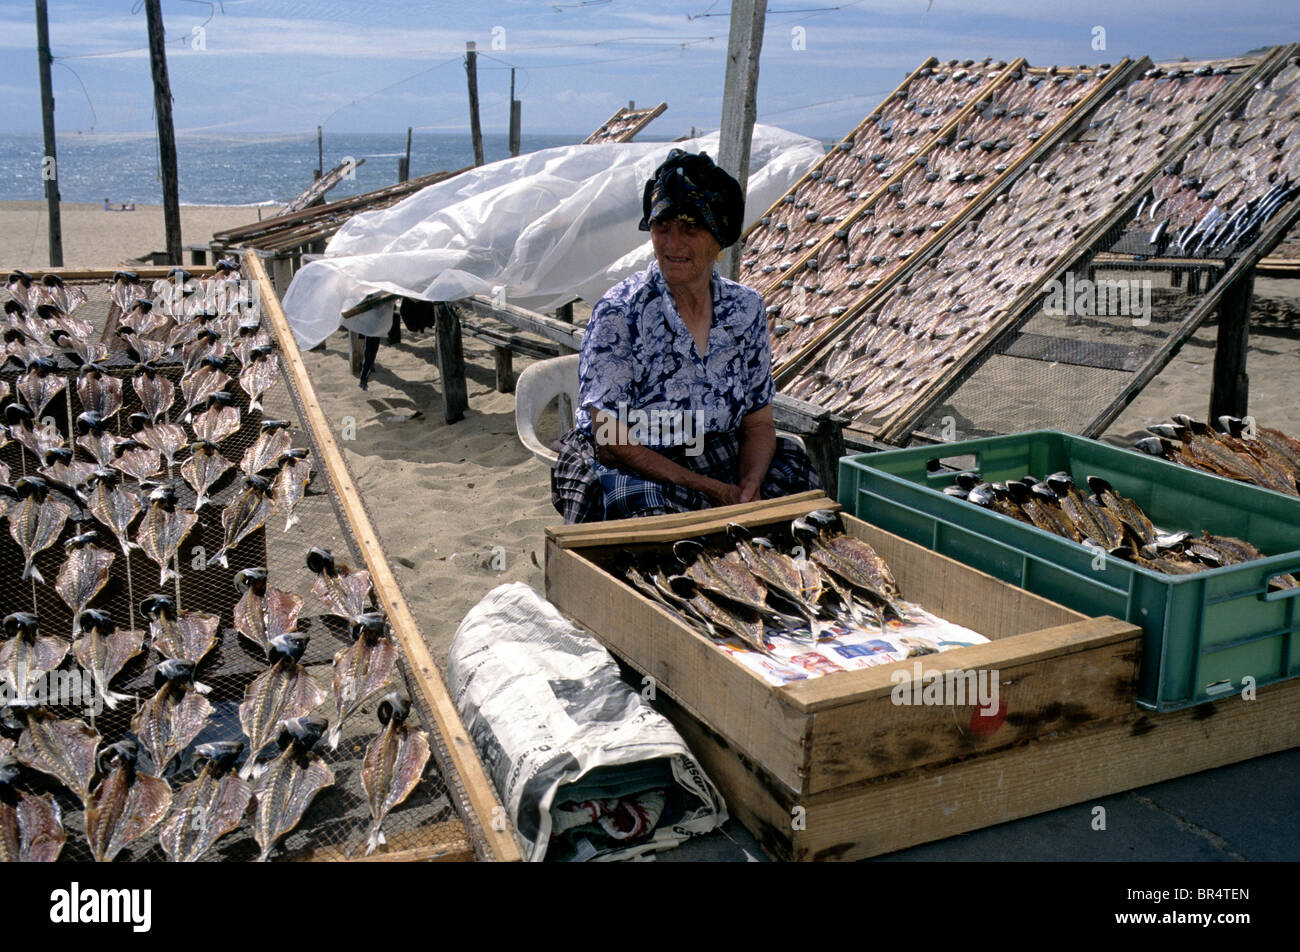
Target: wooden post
(503,362)
(320,155)
(356,352)
(514,116)
(49,175)
(404,164)
(565,313)
(451,364)
(162,102)
(471,74)
(738,103)
(1231,388)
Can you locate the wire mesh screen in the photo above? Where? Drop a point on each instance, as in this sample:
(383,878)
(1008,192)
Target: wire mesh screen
(338,820)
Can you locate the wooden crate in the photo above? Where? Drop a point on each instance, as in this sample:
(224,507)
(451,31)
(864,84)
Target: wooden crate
(835,738)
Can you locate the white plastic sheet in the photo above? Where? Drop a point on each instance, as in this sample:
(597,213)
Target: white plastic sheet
(548,227)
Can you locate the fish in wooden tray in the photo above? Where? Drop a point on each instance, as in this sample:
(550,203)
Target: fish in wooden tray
(290,485)
(344,590)
(99,391)
(138,461)
(851,559)
(285,690)
(166,439)
(84,573)
(26,656)
(31,827)
(209,806)
(162,530)
(727,576)
(218,420)
(36,522)
(97,437)
(41,384)
(259,375)
(63,749)
(126,805)
(113,505)
(103,650)
(393,764)
(290,782)
(719,619)
(263,612)
(167,722)
(179,636)
(243,516)
(202,382)
(774,568)
(155,391)
(362,671)
(205,466)
(273,441)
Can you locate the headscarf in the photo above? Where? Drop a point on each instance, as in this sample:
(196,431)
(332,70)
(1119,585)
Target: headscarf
(692,188)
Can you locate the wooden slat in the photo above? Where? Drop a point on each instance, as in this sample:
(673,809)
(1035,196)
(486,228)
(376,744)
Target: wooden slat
(561,333)
(318,188)
(436,842)
(464,762)
(150,272)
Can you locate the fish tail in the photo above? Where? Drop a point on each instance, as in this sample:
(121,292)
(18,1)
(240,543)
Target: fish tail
(246,771)
(31,572)
(202,688)
(335,733)
(200,501)
(254,406)
(375,840)
(290,522)
(220,559)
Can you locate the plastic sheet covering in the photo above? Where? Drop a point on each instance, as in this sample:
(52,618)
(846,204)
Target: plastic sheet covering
(562,735)
(548,226)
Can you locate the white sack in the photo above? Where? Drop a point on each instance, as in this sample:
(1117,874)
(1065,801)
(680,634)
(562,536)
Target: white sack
(548,226)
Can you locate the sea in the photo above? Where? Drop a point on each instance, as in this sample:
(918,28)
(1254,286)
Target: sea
(233,170)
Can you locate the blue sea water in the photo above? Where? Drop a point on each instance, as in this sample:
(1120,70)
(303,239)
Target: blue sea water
(232,170)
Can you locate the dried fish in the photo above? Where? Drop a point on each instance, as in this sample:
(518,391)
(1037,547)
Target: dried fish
(185,636)
(273,441)
(31,827)
(100,392)
(136,460)
(218,420)
(208,807)
(155,391)
(164,438)
(393,764)
(291,484)
(63,749)
(344,590)
(163,529)
(126,805)
(41,384)
(104,651)
(61,469)
(113,506)
(26,657)
(36,522)
(96,438)
(260,374)
(264,612)
(290,782)
(205,466)
(200,383)
(167,722)
(245,514)
(361,671)
(285,690)
(84,573)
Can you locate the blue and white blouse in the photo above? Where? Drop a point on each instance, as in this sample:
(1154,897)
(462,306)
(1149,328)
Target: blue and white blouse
(637,351)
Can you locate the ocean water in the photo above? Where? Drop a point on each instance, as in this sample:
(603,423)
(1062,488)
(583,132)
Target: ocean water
(232,170)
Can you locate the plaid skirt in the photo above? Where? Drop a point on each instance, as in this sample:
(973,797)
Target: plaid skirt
(584,490)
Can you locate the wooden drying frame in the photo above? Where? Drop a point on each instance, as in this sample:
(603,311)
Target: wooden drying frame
(318,188)
(464,762)
(904,420)
(1080,111)
(627,135)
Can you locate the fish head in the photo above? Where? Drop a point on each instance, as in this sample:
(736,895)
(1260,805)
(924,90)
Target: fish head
(48,312)
(32,486)
(157,606)
(126,277)
(42,364)
(1060,482)
(1044,492)
(1169,431)
(96,619)
(222,754)
(92,369)
(270,426)
(254,578)
(319,560)
(16,414)
(804,530)
(164,497)
(1099,485)
(369,626)
(1019,491)
(291,456)
(827,519)
(258,483)
(122,754)
(763,542)
(956,492)
(89,537)
(982,495)
(249,329)
(125,447)
(219,399)
(260,352)
(8,769)
(138,421)
(145,368)
(109,477)
(89,422)
(1154,445)
(684,586)
(738,533)
(20,623)
(178,274)
(58,454)
(395,707)
(172,670)
(211,361)
(687,550)
(290,645)
(1231,424)
(204,447)
(301,731)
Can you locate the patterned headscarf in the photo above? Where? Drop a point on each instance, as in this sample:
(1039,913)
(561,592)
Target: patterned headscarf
(692,188)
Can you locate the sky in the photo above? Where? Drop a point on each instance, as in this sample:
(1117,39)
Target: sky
(242,67)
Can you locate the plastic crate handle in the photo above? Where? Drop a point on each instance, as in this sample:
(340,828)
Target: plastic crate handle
(1282,593)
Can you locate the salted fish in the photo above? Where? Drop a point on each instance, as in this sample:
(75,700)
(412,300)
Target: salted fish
(136,460)
(361,671)
(26,656)
(100,393)
(36,522)
(244,515)
(206,345)
(84,573)
(104,650)
(259,375)
(344,590)
(185,636)
(393,764)
(38,439)
(64,749)
(174,716)
(218,421)
(285,690)
(155,391)
(31,827)
(263,612)
(205,466)
(63,469)
(113,506)
(163,529)
(273,441)
(96,438)
(290,783)
(200,383)
(40,385)
(125,806)
(67,298)
(291,484)
(208,807)
(164,438)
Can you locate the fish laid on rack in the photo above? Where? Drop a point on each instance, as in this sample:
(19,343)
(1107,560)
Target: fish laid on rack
(273,441)
(263,612)
(84,573)
(362,671)
(41,384)
(99,391)
(26,656)
(167,722)
(113,506)
(138,461)
(290,485)
(155,391)
(166,439)
(36,522)
(202,382)
(285,690)
(344,590)
(97,438)
(67,298)
(218,420)
(103,650)
(185,636)
(126,805)
(290,782)
(205,466)
(162,530)
(260,374)
(208,807)
(31,827)
(243,516)
(64,749)
(36,438)
(393,764)
(63,469)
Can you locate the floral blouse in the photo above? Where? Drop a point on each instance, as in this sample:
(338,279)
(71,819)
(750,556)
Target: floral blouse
(637,351)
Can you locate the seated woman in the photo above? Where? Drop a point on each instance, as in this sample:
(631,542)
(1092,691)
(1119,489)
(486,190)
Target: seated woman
(675,375)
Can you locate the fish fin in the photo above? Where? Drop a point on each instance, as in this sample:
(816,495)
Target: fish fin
(31,572)
(220,559)
(290,522)
(335,733)
(202,688)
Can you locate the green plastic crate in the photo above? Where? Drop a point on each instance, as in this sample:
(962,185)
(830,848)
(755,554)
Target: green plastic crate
(1203,634)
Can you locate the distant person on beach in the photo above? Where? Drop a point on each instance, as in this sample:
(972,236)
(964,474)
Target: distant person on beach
(108,206)
(128,207)
(675,373)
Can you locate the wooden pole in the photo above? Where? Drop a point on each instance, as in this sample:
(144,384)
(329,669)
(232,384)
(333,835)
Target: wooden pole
(49,173)
(1230,390)
(514,116)
(738,101)
(320,154)
(404,165)
(451,364)
(471,74)
(162,102)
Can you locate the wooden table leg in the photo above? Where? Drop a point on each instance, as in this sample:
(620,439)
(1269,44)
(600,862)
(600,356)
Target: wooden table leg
(451,365)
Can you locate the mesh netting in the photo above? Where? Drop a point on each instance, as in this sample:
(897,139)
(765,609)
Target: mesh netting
(338,820)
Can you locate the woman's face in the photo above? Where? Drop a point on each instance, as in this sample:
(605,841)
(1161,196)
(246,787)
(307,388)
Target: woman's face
(685,252)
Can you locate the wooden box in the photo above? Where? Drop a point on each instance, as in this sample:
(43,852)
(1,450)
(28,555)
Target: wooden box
(783,754)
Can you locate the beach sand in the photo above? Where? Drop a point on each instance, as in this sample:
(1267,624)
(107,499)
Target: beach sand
(94,238)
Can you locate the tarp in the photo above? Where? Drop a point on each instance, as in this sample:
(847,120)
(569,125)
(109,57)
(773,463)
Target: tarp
(548,227)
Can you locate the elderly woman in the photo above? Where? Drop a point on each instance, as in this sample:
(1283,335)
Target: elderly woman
(675,376)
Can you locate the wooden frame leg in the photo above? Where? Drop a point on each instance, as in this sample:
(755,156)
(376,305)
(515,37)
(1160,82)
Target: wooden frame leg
(451,365)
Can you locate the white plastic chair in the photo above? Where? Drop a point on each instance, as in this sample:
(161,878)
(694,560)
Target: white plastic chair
(537,386)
